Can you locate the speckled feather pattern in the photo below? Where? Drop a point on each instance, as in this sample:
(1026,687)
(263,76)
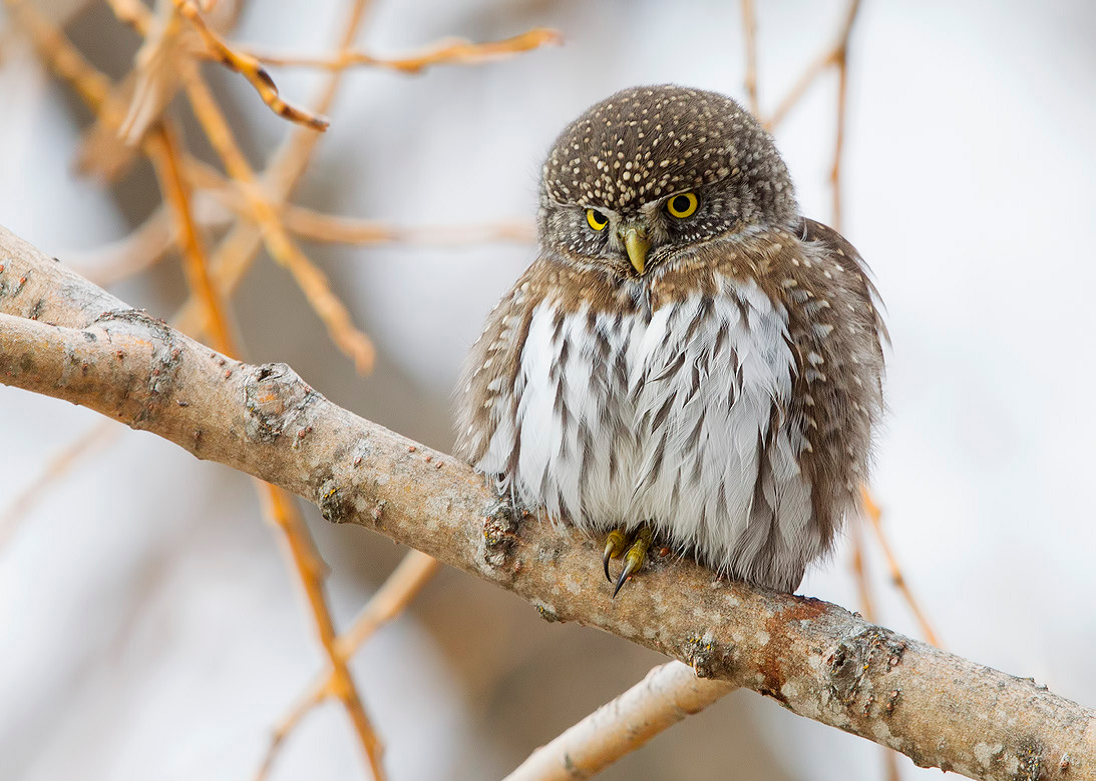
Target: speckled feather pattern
(726,396)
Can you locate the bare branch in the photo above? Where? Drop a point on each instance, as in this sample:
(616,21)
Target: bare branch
(313,282)
(280,507)
(666,696)
(251,69)
(875,517)
(448,52)
(391,598)
(749,33)
(63,337)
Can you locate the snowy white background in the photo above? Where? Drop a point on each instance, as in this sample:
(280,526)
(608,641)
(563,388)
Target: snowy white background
(148,627)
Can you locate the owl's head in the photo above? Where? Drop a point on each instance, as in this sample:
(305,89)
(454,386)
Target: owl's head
(652,170)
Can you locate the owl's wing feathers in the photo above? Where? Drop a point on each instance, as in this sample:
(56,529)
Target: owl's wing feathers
(837,390)
(813,231)
(487,403)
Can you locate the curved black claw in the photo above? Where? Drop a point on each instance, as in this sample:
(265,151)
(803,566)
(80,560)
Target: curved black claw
(635,556)
(624,574)
(614,547)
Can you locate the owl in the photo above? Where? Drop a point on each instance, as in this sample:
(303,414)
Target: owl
(688,360)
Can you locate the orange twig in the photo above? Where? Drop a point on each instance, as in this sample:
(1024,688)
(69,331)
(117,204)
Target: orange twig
(251,69)
(749,29)
(312,281)
(841,59)
(280,506)
(61,56)
(875,517)
(391,598)
(237,250)
(860,573)
(447,52)
(316,226)
(163,150)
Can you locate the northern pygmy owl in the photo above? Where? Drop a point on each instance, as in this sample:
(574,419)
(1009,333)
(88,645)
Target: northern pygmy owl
(688,359)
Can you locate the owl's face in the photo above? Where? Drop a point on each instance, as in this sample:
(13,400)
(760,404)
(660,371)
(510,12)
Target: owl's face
(653,170)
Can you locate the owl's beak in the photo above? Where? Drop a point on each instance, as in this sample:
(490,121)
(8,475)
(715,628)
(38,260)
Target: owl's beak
(636,243)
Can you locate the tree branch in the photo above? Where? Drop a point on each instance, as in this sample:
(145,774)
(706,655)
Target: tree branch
(668,694)
(63,337)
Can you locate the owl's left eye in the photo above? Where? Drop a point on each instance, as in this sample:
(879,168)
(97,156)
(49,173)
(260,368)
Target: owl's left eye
(596,219)
(682,205)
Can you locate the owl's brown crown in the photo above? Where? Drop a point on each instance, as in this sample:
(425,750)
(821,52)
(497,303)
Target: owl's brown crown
(644,143)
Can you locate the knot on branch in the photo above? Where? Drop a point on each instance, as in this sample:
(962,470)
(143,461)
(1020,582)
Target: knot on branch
(708,658)
(857,667)
(276,398)
(500,532)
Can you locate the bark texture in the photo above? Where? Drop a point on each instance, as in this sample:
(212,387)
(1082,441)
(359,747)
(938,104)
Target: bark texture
(63,337)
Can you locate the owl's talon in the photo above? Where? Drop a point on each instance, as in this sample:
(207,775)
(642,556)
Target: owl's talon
(614,548)
(635,557)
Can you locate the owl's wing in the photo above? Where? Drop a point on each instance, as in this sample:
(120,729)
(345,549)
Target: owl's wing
(488,391)
(837,395)
(817,232)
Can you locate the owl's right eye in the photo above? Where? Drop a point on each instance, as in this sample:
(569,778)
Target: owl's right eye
(596,219)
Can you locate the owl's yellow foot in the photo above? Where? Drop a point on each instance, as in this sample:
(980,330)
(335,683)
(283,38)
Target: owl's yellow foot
(615,545)
(633,547)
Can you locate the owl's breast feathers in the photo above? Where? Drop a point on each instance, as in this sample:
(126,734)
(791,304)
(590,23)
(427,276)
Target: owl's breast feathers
(727,397)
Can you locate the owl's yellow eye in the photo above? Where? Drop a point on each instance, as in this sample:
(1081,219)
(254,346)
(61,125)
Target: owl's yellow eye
(596,219)
(682,206)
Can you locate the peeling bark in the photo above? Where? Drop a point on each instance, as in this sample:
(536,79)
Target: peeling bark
(63,337)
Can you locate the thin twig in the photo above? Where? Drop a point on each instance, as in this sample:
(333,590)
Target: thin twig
(391,598)
(237,250)
(134,14)
(316,226)
(842,63)
(251,69)
(749,32)
(448,52)
(875,517)
(283,249)
(164,152)
(795,94)
(281,507)
(60,55)
(138,251)
(859,568)
(312,225)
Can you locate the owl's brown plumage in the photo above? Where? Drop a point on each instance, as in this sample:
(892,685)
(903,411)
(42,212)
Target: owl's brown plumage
(715,376)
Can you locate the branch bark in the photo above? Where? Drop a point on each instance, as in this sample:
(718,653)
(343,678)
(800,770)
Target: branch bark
(63,337)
